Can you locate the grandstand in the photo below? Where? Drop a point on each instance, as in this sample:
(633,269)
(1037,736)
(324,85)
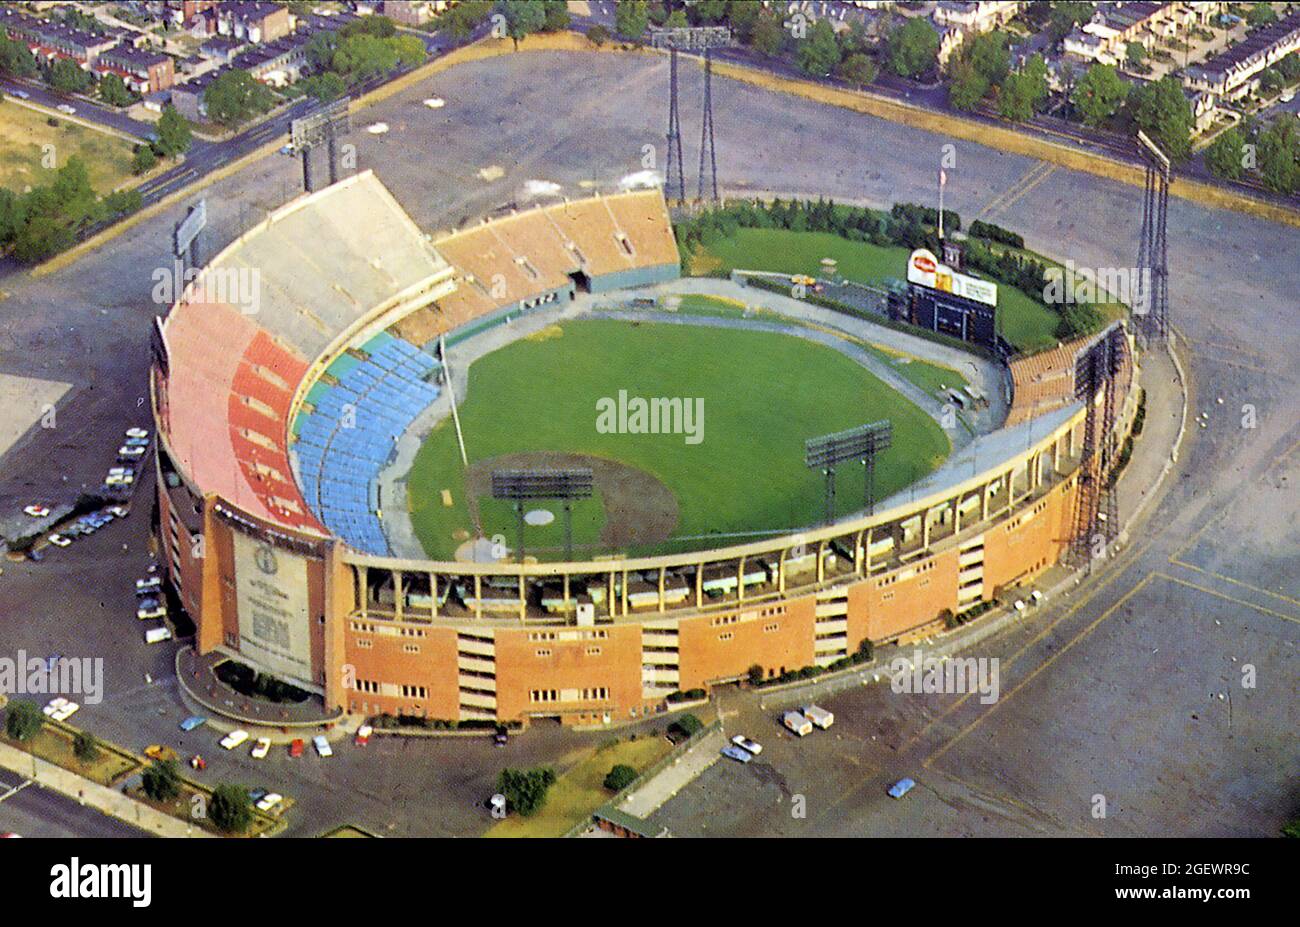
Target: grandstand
(276,414)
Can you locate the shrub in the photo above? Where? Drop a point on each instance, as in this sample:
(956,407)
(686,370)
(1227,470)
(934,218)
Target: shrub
(525,789)
(620,777)
(24,720)
(85,748)
(230,808)
(162,781)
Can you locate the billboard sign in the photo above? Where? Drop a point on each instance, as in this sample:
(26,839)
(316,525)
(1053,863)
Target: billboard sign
(924,269)
(189,228)
(274,623)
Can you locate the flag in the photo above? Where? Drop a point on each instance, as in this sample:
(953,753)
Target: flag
(943,177)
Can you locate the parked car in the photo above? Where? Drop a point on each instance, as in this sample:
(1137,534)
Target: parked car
(21,94)
(749,746)
(735,753)
(192,722)
(60,709)
(261,748)
(126,452)
(157,635)
(149,614)
(234,739)
(137,433)
(901,788)
(435,102)
(500,739)
(267,802)
(377,128)
(147,585)
(295,747)
(136,442)
(36,511)
(257,795)
(322,746)
(198,763)
(160,753)
(363,735)
(66,109)
(59,540)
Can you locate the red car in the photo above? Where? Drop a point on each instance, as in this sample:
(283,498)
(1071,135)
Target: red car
(363,735)
(198,762)
(295,748)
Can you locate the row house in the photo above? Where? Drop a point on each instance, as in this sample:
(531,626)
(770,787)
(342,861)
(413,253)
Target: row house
(142,70)
(978,16)
(49,41)
(1235,72)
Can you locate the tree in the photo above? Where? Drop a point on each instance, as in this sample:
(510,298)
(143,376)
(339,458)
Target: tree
(742,16)
(913,48)
(989,54)
(967,87)
(1290,67)
(85,748)
(1261,14)
(113,91)
(677,20)
(230,808)
(13,214)
(325,87)
(1099,94)
(174,134)
(859,69)
(1225,155)
(16,59)
(460,20)
(525,789)
(1135,53)
(1017,98)
(67,76)
(523,18)
(409,49)
(24,720)
(1163,111)
(688,724)
(819,53)
(379,27)
(598,35)
(1279,147)
(1271,80)
(620,777)
(631,19)
(359,57)
(235,97)
(1065,16)
(320,49)
(161,781)
(556,17)
(768,35)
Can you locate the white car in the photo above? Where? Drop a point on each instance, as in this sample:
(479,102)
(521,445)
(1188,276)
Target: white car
(60,709)
(377,128)
(149,614)
(119,511)
(234,739)
(21,94)
(749,746)
(267,802)
(66,109)
(137,433)
(119,479)
(435,102)
(148,585)
(157,635)
(127,452)
(322,746)
(261,748)
(36,511)
(59,540)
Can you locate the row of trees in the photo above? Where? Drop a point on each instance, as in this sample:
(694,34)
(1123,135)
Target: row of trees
(365,48)
(48,219)
(63,74)
(1272,153)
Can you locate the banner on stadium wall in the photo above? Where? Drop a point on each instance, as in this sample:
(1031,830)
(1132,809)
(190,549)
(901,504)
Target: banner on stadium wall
(924,269)
(274,622)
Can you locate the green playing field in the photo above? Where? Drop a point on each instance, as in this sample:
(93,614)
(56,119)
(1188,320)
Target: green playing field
(724,476)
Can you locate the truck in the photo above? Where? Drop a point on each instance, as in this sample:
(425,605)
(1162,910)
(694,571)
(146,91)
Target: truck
(797,723)
(819,716)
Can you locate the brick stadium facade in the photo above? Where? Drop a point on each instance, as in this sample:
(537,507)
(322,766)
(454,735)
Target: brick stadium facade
(268,584)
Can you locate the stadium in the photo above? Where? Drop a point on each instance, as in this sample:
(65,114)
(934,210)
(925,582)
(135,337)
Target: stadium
(337,394)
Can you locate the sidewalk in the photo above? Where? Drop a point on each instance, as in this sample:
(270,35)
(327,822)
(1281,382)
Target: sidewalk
(101,798)
(651,795)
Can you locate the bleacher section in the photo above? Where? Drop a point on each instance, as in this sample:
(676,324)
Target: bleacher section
(608,241)
(349,435)
(1044,382)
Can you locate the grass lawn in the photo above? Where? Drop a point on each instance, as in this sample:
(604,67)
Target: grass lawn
(581,790)
(54,745)
(24,132)
(763,395)
(1025,321)
(927,375)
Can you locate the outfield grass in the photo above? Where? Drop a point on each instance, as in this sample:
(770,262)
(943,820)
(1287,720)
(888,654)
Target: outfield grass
(24,133)
(1025,321)
(764,394)
(581,790)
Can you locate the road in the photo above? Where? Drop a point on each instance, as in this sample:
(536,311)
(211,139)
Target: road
(32,811)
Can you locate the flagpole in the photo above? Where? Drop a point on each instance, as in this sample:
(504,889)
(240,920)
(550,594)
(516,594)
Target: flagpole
(941,204)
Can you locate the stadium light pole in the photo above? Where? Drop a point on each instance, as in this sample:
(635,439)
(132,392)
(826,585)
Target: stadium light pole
(861,444)
(520,486)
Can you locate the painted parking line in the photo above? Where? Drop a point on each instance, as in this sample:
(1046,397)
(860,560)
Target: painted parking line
(14,790)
